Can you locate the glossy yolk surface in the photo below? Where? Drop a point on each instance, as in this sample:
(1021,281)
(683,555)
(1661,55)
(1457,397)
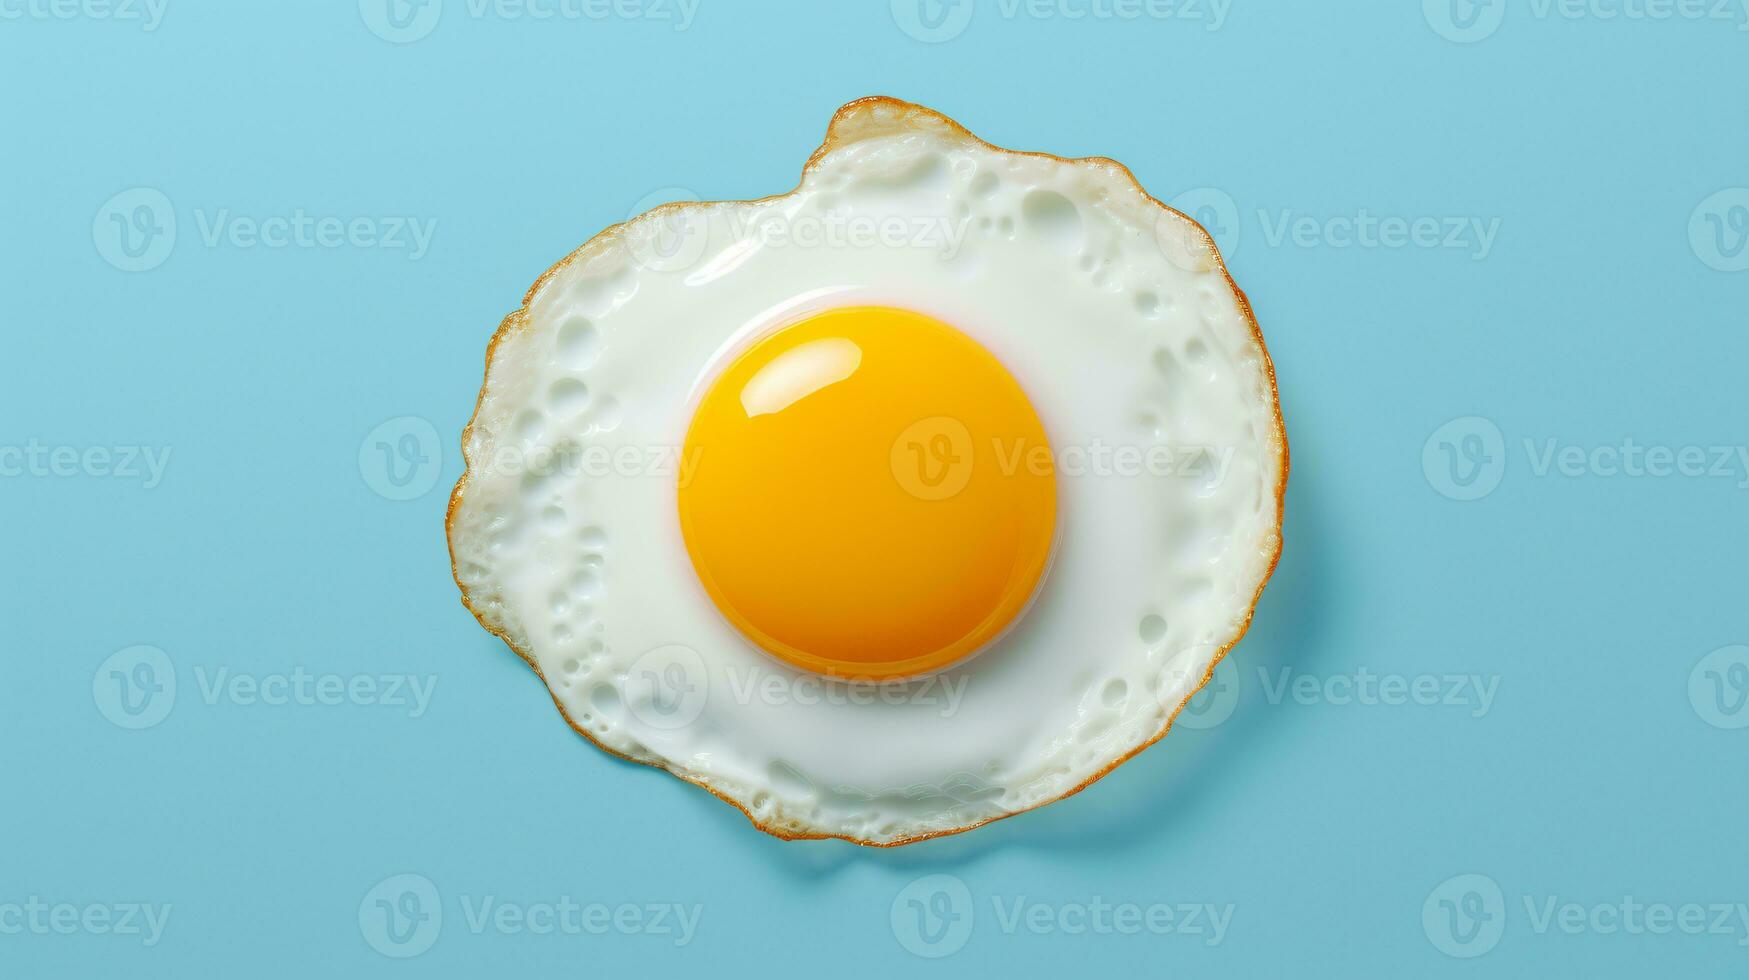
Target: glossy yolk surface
(871,494)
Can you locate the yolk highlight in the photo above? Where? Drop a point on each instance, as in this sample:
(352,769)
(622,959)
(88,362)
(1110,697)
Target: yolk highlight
(871,494)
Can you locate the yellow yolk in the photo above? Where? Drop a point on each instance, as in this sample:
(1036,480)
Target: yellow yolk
(870,494)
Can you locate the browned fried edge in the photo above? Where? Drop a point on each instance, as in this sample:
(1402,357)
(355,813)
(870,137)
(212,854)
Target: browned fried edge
(516,318)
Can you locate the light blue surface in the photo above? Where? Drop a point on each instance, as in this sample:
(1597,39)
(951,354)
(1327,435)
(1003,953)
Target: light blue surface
(1606,309)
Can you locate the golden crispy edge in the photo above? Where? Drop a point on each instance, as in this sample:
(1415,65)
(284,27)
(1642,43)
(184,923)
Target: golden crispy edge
(837,133)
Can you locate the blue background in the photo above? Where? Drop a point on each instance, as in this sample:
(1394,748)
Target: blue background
(1327,826)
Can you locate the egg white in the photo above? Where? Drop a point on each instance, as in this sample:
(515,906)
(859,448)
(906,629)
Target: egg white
(1118,319)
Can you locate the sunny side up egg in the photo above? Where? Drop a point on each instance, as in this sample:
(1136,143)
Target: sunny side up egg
(917,497)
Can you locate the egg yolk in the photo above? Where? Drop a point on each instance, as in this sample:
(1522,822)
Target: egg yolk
(868,494)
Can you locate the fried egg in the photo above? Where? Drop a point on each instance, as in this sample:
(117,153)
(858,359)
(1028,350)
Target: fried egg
(917,497)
